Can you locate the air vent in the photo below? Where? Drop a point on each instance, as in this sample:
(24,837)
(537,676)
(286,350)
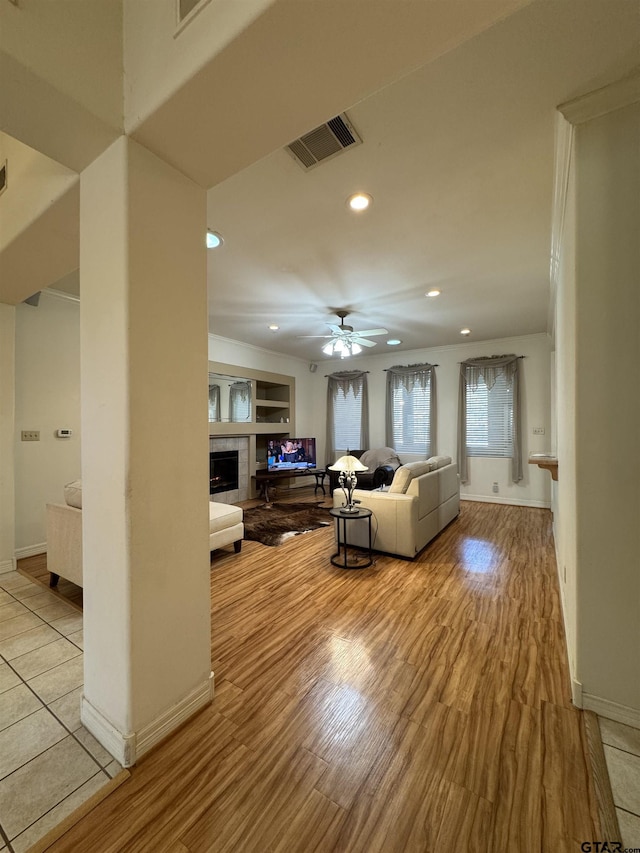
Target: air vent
(3,177)
(324,142)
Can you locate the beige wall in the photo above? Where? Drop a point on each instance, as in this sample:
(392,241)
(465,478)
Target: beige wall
(145,436)
(159,56)
(61,72)
(608,406)
(47,398)
(7,414)
(565,517)
(598,401)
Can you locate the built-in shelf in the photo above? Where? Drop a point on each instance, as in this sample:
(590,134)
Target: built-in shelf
(272,410)
(546,461)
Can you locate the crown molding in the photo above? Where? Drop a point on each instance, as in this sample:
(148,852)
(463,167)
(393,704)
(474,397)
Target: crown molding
(620,94)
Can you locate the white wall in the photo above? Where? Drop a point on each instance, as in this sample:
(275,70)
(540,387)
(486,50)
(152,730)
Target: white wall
(47,398)
(608,411)
(534,489)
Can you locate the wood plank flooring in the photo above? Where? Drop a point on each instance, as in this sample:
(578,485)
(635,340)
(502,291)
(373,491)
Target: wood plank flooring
(411,706)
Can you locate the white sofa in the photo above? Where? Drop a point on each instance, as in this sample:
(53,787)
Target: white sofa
(64,533)
(422,499)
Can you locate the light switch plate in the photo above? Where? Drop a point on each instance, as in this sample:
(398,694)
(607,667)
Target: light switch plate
(538,430)
(30,435)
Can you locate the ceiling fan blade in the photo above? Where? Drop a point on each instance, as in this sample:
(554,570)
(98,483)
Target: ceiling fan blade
(362,341)
(315,336)
(372,332)
(336,329)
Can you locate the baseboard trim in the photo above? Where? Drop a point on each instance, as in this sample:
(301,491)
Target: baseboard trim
(612,710)
(166,723)
(576,691)
(128,748)
(30,551)
(7,566)
(487,499)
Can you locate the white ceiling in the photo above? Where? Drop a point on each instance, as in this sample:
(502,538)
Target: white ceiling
(458,157)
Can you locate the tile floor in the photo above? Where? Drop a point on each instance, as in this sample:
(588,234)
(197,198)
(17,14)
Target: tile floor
(49,763)
(622,753)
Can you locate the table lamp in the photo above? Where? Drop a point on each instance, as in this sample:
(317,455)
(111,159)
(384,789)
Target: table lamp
(347,465)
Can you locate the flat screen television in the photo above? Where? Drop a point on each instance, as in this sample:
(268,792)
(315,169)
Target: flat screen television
(291,453)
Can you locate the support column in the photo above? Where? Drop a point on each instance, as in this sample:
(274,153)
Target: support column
(143,321)
(7,434)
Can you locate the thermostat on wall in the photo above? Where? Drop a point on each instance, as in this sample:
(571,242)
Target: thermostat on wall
(64,433)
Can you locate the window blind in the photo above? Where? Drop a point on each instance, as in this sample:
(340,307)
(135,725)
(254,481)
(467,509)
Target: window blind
(490,418)
(347,410)
(411,418)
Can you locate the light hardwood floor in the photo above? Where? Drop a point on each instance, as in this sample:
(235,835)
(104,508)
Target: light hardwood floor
(411,706)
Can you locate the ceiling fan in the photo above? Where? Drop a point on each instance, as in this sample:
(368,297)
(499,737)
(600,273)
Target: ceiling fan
(344,341)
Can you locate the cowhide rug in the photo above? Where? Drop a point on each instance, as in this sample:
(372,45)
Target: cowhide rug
(274,523)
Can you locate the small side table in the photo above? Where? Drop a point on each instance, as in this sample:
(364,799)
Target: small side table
(319,475)
(341,558)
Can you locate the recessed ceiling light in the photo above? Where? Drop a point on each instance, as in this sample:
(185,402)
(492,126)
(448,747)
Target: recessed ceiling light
(214,240)
(359,201)
(432,293)
(273,327)
(393,342)
(465,331)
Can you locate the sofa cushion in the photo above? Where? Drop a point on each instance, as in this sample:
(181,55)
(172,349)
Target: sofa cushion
(380,456)
(73,494)
(439,461)
(222,516)
(406,473)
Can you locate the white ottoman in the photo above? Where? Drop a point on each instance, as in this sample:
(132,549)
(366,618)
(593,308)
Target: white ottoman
(225,526)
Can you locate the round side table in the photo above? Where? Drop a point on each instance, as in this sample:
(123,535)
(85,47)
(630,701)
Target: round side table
(342,558)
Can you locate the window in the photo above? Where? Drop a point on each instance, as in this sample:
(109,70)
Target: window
(411,409)
(490,419)
(489,413)
(347,412)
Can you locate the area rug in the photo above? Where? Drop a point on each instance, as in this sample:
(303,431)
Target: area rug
(274,523)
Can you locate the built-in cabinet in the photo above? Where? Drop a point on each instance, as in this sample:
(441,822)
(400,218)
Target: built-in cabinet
(255,403)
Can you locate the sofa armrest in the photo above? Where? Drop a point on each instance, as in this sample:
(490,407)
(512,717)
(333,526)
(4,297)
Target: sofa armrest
(64,542)
(394,520)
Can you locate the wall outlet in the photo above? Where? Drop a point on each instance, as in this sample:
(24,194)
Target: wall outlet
(495,488)
(538,430)
(30,435)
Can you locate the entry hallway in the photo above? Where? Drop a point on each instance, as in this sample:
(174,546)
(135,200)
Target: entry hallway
(407,707)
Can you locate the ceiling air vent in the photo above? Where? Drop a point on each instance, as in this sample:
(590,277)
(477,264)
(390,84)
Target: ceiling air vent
(324,142)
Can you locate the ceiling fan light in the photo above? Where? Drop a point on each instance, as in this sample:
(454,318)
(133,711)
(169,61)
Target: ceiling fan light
(327,349)
(355,349)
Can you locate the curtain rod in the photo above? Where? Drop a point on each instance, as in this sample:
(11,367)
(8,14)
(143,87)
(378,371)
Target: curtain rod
(489,356)
(384,369)
(329,375)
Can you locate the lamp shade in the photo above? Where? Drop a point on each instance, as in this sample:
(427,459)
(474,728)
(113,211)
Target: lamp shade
(348,463)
